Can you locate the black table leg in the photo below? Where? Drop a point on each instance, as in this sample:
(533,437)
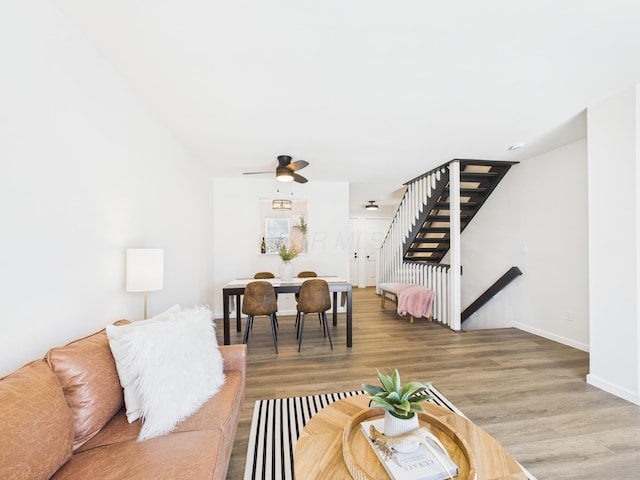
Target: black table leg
(225,309)
(349,319)
(238,310)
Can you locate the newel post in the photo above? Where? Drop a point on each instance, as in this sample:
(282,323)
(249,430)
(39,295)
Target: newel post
(454,252)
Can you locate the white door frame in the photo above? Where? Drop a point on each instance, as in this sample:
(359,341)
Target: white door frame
(361,247)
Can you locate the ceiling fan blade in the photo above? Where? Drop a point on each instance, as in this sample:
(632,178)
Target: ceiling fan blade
(297,165)
(299,178)
(255,173)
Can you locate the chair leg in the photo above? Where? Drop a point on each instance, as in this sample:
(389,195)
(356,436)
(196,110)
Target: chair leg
(297,324)
(247,328)
(324,320)
(273,331)
(301,330)
(324,333)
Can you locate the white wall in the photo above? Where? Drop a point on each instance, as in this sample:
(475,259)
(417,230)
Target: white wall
(236,238)
(536,220)
(86,172)
(614,244)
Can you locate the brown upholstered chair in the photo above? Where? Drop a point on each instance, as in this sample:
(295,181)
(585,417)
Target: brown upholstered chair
(307,274)
(261,275)
(314,298)
(304,274)
(260,299)
(264,275)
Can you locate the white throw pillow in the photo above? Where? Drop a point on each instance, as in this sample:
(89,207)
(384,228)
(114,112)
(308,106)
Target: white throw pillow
(177,367)
(126,373)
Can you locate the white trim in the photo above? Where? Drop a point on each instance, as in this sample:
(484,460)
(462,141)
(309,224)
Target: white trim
(551,336)
(613,389)
(454,247)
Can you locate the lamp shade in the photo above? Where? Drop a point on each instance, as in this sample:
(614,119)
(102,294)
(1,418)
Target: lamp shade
(145,269)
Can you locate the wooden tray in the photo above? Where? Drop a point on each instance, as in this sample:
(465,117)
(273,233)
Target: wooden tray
(363,464)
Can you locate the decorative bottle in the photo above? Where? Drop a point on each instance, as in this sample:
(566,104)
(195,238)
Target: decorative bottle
(263,246)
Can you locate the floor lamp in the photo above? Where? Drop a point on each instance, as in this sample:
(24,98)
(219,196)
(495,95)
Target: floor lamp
(145,271)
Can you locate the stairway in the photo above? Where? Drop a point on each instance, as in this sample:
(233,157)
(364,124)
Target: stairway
(421,231)
(428,241)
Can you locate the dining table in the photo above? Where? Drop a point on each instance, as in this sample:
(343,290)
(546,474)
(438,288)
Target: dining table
(336,284)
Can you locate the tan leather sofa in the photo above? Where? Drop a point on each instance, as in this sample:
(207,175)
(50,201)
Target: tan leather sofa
(62,417)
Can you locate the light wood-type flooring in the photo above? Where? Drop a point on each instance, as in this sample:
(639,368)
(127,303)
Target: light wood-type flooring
(526,391)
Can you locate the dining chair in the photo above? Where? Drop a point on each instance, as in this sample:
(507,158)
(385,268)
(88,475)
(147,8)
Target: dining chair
(265,275)
(307,274)
(262,275)
(314,298)
(304,274)
(260,299)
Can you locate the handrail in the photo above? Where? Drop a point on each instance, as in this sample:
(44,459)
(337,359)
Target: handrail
(493,290)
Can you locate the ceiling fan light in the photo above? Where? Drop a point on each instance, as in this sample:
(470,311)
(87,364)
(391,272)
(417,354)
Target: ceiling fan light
(284,174)
(371,206)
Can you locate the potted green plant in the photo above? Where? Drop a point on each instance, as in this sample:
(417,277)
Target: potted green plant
(400,403)
(286,267)
(287,254)
(303,225)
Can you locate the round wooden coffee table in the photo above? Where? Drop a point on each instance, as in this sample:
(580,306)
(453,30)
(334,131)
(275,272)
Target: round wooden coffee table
(318,452)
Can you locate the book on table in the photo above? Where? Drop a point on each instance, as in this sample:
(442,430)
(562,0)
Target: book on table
(421,464)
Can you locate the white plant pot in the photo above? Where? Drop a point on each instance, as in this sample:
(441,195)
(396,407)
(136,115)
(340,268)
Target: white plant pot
(286,271)
(397,426)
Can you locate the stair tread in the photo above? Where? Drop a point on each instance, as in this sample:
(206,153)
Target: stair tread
(478,179)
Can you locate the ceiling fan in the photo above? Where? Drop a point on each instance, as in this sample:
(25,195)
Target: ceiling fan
(286,170)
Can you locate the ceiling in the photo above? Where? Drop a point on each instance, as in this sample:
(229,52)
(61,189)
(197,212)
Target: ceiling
(373,92)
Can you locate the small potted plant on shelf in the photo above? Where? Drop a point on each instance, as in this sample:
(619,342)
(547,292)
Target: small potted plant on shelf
(400,403)
(303,225)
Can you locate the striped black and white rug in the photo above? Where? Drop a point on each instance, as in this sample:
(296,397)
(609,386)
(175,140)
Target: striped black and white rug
(277,424)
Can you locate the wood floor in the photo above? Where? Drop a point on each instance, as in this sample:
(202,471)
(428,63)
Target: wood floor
(528,392)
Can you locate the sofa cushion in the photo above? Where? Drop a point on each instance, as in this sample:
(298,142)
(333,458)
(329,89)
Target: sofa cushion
(220,412)
(36,428)
(126,372)
(87,372)
(179,456)
(176,365)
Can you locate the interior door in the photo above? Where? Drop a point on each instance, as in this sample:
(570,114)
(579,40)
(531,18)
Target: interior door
(375,230)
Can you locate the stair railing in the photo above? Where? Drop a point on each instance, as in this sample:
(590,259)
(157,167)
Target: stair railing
(509,276)
(400,261)
(391,266)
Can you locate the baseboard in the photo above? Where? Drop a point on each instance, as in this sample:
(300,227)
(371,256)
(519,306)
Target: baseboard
(551,336)
(608,387)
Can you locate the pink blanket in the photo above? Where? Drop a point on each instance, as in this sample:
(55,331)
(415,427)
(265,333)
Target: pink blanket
(415,300)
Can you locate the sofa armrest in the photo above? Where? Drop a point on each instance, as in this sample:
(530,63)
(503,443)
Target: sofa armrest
(235,359)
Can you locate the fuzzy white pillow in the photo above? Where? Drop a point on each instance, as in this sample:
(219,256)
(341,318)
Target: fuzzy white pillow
(177,367)
(126,372)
